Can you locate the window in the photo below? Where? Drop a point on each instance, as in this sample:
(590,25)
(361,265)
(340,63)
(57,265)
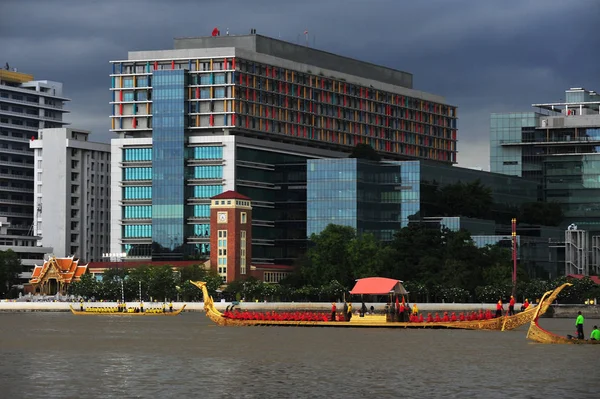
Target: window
(243,218)
(222,254)
(275,277)
(243,252)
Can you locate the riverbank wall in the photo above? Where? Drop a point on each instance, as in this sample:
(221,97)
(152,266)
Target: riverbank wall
(558,311)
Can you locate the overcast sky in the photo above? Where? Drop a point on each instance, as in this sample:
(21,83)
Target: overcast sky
(482,56)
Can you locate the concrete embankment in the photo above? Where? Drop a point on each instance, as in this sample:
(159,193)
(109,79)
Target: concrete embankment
(559,311)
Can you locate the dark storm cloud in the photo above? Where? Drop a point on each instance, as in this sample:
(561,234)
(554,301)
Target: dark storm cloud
(483,56)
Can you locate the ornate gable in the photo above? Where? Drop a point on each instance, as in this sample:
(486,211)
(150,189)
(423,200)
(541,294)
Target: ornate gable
(64,270)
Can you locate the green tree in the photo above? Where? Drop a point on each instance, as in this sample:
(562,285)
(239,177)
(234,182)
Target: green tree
(365,151)
(364,256)
(10,267)
(213,283)
(87,287)
(111,283)
(161,283)
(328,256)
(186,290)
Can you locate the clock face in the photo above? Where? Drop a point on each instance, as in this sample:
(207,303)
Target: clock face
(222,217)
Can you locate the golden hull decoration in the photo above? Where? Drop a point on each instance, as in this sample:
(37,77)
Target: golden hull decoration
(175,312)
(497,324)
(538,334)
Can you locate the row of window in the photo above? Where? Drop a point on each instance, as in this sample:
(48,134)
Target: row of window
(145,154)
(202,211)
(138,95)
(275,277)
(208,172)
(202,230)
(140,81)
(284,79)
(137,212)
(137,231)
(137,193)
(207,191)
(137,154)
(207,152)
(137,173)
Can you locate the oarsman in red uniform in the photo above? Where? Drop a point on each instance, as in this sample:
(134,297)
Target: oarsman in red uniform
(480,316)
(488,314)
(429,318)
(453,318)
(437,318)
(511,306)
(446,318)
(333,311)
(499,309)
(461,317)
(525,305)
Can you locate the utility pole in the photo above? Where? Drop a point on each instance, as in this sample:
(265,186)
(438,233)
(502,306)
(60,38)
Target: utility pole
(514,255)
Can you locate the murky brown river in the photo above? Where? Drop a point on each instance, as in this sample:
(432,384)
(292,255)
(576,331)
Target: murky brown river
(58,355)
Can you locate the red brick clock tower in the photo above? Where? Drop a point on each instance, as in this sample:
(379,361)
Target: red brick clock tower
(231,235)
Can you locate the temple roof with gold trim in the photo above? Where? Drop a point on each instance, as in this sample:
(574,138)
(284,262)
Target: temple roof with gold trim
(67,270)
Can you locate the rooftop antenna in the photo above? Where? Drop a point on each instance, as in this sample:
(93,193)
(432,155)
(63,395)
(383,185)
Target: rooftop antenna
(306,37)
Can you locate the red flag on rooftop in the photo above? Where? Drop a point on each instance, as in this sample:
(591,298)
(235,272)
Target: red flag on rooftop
(216,32)
(306,32)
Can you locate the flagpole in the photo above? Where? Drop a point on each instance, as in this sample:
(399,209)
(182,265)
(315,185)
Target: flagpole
(306,36)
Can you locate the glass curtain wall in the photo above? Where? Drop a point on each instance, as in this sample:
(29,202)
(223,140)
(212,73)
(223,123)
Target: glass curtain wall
(168,164)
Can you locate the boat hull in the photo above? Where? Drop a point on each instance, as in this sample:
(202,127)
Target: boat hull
(125,314)
(539,335)
(497,324)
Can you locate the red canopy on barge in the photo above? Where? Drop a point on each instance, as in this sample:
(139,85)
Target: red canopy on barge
(378,286)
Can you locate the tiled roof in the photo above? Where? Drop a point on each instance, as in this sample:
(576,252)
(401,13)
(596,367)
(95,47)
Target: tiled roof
(68,270)
(231,195)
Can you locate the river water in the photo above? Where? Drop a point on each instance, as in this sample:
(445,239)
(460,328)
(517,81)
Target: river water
(58,355)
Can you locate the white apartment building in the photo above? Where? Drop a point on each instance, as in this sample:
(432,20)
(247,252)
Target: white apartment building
(72,193)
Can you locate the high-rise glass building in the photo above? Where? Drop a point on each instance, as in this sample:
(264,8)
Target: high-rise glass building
(244,113)
(382,197)
(558,146)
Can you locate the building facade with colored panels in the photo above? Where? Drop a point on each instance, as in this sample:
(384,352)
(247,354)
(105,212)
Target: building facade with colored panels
(243,113)
(256,85)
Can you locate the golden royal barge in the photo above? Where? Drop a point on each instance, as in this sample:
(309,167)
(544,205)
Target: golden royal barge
(114,311)
(321,319)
